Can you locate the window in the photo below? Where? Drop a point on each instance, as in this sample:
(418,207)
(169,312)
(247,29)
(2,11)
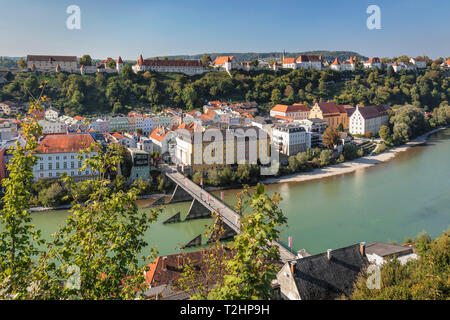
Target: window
(50,166)
(57,165)
(57,157)
(50,174)
(41,166)
(72,165)
(65,165)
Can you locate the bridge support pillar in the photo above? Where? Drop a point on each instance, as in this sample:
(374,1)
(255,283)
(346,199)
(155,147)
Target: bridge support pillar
(180,195)
(196,242)
(227,232)
(197,211)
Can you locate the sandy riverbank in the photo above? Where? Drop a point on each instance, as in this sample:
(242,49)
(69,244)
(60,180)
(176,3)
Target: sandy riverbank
(350,166)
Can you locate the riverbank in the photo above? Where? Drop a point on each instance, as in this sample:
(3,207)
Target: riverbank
(351,166)
(155,196)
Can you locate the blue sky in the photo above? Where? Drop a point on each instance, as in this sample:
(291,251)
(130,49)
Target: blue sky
(172,27)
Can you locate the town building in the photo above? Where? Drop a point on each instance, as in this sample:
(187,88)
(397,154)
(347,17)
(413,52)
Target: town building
(226,63)
(161,137)
(140,168)
(118,123)
(188,67)
(289,63)
(9,108)
(57,154)
(289,138)
(372,63)
(332,113)
(51,114)
(295,111)
(368,119)
(8,130)
(314,125)
(348,65)
(217,148)
(419,62)
(52,126)
(49,63)
(309,62)
(335,65)
(326,276)
(381,252)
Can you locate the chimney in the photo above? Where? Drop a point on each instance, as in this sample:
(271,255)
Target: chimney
(329,254)
(164,263)
(362,249)
(292,264)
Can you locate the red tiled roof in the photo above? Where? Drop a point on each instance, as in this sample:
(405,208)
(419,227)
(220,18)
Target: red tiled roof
(369,112)
(373,60)
(65,143)
(119,60)
(172,63)
(159,134)
(335,62)
(223,59)
(291,108)
(52,58)
(331,107)
(289,61)
(309,58)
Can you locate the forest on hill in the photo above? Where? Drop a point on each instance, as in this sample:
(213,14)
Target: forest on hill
(118,93)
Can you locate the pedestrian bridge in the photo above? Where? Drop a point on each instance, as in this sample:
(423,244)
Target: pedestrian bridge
(203,203)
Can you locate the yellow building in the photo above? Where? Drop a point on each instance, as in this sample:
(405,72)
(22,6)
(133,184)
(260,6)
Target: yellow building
(332,113)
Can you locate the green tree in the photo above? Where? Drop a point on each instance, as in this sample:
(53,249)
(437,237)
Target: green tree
(330,138)
(384,133)
(252,268)
(103,236)
(85,60)
(21,63)
(276,96)
(423,279)
(205,60)
(127,72)
(19,240)
(325,157)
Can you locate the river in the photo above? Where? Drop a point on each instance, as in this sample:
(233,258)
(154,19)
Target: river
(387,202)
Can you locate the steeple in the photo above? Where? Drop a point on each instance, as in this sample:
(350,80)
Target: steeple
(141,60)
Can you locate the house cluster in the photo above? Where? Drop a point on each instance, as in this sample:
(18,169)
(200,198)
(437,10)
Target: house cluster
(330,275)
(70,64)
(294,128)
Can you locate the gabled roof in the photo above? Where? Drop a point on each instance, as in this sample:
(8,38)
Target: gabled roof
(288,60)
(373,60)
(335,62)
(159,134)
(331,107)
(51,58)
(171,63)
(383,249)
(223,59)
(370,112)
(64,143)
(290,108)
(309,58)
(320,278)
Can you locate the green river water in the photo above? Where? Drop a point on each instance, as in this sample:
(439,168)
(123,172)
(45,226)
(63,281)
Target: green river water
(387,202)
